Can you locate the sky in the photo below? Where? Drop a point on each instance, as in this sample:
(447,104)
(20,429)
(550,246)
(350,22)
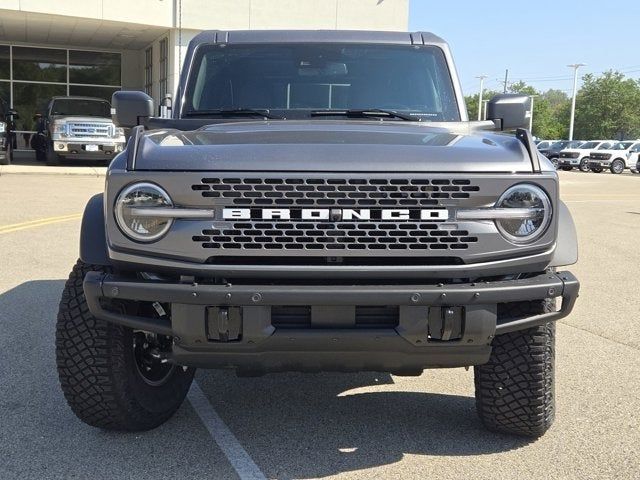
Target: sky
(535,40)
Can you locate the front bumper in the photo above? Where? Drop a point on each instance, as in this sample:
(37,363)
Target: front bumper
(333,343)
(87,149)
(568,162)
(599,163)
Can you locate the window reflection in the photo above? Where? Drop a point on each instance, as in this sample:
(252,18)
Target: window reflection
(39,64)
(97,68)
(5,71)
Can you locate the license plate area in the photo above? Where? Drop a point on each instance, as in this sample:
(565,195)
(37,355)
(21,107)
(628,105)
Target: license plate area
(92,148)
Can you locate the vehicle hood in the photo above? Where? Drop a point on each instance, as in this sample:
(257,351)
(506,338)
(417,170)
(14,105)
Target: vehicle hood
(622,153)
(576,150)
(81,119)
(326,145)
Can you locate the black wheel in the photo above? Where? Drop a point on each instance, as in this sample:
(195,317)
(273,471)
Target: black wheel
(515,389)
(555,162)
(567,168)
(596,169)
(112,376)
(617,166)
(584,164)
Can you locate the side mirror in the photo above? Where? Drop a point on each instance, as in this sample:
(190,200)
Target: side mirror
(509,111)
(130,108)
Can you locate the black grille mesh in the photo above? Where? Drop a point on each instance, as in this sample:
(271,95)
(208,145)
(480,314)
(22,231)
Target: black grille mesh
(292,235)
(315,192)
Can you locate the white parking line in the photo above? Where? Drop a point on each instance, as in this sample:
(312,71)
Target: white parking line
(242,463)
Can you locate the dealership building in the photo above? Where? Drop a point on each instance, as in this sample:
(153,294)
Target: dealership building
(95,47)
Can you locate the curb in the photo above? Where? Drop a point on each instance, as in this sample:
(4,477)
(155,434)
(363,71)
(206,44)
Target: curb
(42,170)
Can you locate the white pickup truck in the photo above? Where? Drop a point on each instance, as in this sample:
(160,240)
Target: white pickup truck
(579,157)
(615,158)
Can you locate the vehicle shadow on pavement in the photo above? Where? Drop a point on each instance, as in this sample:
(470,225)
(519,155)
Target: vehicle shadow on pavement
(316,425)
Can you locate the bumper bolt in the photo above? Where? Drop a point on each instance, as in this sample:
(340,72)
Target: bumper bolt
(415,298)
(476,295)
(443,295)
(228,296)
(194,294)
(115,291)
(552,291)
(256,297)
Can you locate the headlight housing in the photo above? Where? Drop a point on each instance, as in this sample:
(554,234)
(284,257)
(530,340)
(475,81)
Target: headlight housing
(536,209)
(60,128)
(142,228)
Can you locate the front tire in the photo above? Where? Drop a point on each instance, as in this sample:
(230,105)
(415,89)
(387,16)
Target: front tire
(101,373)
(51,158)
(584,164)
(617,166)
(596,169)
(567,168)
(515,389)
(8,156)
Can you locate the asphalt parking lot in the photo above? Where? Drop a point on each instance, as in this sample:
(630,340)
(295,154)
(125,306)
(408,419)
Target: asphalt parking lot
(329,425)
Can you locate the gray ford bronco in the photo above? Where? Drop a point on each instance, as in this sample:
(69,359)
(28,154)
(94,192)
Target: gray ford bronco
(318,201)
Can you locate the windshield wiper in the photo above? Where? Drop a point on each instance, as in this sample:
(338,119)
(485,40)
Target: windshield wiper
(230,112)
(366,112)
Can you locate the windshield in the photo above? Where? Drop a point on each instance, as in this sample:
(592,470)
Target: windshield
(622,146)
(296,79)
(606,146)
(560,145)
(81,107)
(589,145)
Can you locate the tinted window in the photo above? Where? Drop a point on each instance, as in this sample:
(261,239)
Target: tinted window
(589,145)
(5,71)
(39,64)
(72,106)
(315,76)
(96,68)
(606,146)
(89,91)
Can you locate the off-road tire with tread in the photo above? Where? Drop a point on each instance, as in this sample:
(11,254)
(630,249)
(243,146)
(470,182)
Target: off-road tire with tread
(515,389)
(97,369)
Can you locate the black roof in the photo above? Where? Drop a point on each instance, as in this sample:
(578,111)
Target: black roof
(317,36)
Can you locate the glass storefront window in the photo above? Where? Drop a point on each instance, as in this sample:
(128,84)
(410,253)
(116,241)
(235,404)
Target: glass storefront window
(88,91)
(32,98)
(5,70)
(5,89)
(97,68)
(39,64)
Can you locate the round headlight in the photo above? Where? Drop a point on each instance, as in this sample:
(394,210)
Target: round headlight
(536,217)
(143,228)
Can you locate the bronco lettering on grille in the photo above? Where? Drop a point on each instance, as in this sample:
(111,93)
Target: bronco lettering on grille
(335,214)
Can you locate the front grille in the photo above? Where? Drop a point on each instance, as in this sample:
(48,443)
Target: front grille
(365,317)
(89,130)
(314,236)
(569,155)
(322,192)
(601,156)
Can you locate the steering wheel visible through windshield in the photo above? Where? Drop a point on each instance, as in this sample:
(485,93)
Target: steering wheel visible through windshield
(294,80)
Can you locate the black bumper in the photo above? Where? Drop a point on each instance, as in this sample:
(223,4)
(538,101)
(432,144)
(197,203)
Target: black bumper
(410,345)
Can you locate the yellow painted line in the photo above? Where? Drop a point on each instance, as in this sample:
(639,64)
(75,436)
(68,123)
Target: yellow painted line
(38,223)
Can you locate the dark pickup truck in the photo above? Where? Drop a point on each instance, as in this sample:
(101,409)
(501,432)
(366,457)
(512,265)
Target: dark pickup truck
(318,201)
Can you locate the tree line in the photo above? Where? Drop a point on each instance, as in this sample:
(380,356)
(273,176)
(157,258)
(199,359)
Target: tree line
(607,107)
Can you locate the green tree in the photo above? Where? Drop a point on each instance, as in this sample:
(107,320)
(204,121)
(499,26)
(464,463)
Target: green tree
(608,106)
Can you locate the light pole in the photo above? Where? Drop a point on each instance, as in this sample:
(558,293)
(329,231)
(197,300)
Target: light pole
(531,115)
(485,102)
(575,67)
(481,77)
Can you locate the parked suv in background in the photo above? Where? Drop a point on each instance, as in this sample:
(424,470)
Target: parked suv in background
(80,128)
(553,151)
(579,157)
(615,158)
(545,144)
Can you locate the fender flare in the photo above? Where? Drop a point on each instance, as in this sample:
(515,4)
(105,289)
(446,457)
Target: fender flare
(93,238)
(566,252)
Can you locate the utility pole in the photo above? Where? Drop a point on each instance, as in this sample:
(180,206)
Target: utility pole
(506,80)
(575,67)
(481,77)
(485,109)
